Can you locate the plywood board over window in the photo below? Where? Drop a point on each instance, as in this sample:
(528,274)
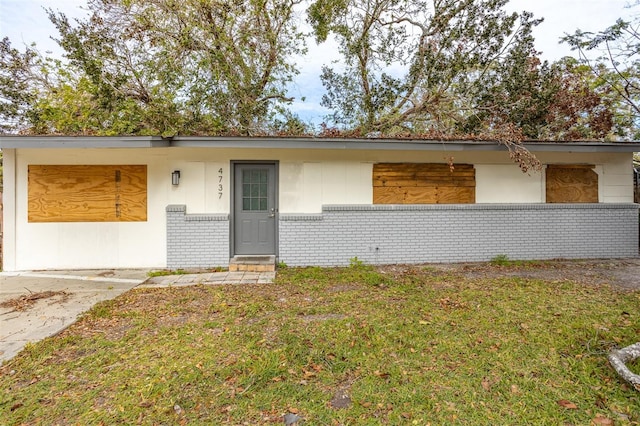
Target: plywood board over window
(423,183)
(571,183)
(87,193)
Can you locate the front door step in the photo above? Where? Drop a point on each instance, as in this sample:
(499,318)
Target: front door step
(252,264)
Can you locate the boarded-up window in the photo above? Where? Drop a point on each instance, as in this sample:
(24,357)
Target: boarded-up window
(571,184)
(411,183)
(104,193)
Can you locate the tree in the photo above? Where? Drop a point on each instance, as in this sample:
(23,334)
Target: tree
(447,47)
(16,94)
(616,66)
(545,101)
(168,67)
(579,108)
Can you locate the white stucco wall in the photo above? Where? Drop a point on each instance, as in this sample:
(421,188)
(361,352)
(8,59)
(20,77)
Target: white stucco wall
(306,187)
(90,245)
(310,179)
(9,210)
(615,172)
(617,181)
(505,183)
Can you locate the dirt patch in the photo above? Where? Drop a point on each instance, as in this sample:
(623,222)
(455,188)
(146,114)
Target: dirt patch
(620,273)
(341,398)
(24,302)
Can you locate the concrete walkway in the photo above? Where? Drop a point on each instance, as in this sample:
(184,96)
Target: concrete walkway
(210,278)
(71,293)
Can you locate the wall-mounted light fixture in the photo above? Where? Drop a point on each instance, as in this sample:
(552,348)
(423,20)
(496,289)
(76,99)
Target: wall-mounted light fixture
(175,177)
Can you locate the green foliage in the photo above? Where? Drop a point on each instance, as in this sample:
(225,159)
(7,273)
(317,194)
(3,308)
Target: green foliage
(500,259)
(444,69)
(16,85)
(165,272)
(441,45)
(159,67)
(354,262)
(613,58)
(456,68)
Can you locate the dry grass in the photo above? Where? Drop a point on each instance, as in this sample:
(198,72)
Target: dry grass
(343,346)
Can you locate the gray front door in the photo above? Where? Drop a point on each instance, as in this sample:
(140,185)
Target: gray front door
(255,209)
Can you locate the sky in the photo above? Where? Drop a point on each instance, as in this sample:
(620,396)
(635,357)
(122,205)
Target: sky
(25,21)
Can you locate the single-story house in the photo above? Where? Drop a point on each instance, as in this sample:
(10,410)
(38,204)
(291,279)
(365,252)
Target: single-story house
(198,202)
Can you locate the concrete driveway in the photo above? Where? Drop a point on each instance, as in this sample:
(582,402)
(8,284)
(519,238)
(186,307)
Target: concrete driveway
(53,301)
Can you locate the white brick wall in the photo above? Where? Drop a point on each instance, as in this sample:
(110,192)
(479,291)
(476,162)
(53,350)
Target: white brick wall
(439,233)
(196,240)
(419,233)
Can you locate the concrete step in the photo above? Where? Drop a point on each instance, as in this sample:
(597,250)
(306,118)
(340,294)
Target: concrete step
(252,264)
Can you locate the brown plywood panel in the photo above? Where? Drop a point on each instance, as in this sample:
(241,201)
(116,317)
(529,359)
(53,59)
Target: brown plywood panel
(445,181)
(87,193)
(449,195)
(422,195)
(426,183)
(394,181)
(571,184)
(133,193)
(389,195)
(70,194)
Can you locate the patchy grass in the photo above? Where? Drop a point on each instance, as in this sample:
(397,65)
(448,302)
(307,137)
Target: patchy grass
(356,345)
(504,261)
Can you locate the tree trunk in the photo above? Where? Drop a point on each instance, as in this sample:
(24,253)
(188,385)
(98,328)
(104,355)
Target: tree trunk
(618,359)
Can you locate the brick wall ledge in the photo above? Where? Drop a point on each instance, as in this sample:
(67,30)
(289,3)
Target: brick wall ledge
(290,217)
(528,206)
(196,217)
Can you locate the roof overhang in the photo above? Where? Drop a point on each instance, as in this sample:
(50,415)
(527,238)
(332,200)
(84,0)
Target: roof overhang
(83,142)
(308,143)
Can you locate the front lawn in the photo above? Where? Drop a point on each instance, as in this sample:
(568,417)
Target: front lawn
(342,346)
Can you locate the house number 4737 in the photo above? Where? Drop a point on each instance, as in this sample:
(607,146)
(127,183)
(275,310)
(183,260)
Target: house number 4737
(220,187)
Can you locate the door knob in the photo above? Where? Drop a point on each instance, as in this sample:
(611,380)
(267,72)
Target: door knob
(273,213)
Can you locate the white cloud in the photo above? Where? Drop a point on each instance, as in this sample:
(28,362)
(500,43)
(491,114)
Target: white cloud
(566,16)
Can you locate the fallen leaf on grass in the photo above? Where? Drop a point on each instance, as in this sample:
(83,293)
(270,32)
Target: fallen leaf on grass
(486,385)
(378,373)
(602,420)
(567,404)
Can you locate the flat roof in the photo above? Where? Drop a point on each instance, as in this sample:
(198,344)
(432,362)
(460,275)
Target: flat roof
(91,142)
(14,141)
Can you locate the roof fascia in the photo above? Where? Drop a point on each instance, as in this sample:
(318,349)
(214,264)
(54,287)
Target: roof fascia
(83,142)
(395,144)
(86,142)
